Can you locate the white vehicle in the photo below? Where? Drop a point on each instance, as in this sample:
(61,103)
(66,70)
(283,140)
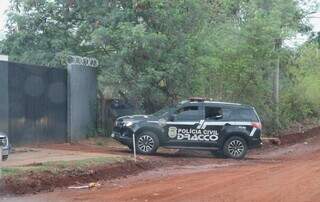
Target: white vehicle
(4,146)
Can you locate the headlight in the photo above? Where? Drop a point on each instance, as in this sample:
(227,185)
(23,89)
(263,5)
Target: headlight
(3,142)
(129,123)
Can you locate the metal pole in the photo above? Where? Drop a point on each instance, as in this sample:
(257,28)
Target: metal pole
(277,90)
(276,87)
(134,147)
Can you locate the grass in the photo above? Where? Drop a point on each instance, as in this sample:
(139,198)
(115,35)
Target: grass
(9,171)
(59,166)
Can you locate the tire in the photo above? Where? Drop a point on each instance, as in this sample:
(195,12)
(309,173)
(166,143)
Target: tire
(147,142)
(4,157)
(235,147)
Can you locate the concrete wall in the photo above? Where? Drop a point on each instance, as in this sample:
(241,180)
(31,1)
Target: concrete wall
(82,93)
(4,98)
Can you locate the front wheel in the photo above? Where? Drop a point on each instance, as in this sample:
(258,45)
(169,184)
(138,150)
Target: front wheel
(147,142)
(235,147)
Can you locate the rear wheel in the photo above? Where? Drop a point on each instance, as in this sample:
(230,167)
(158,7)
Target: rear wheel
(235,147)
(147,142)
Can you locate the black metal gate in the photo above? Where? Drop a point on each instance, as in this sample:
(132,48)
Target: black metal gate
(37,104)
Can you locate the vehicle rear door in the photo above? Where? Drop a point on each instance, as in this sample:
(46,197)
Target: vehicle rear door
(214,121)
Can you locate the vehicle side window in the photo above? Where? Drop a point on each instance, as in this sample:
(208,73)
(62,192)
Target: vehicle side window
(226,114)
(213,113)
(243,115)
(188,113)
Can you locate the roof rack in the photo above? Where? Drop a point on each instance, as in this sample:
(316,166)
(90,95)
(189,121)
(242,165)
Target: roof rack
(202,99)
(196,99)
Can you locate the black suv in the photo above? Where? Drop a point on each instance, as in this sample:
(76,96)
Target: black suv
(228,129)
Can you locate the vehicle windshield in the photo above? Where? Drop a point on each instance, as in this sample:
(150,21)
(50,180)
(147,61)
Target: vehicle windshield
(164,112)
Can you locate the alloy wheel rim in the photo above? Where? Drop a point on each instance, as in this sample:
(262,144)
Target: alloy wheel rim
(145,143)
(236,148)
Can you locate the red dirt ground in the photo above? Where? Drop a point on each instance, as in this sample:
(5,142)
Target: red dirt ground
(298,137)
(48,181)
(286,173)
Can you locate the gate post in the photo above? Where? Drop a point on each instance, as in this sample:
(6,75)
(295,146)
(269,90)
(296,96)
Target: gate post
(4,100)
(82,98)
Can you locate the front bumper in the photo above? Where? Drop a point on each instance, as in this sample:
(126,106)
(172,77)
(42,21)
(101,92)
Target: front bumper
(5,151)
(123,138)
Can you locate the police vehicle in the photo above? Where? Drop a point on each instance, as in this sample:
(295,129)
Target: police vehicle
(228,129)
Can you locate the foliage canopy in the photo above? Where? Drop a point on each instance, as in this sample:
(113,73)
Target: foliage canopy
(156,52)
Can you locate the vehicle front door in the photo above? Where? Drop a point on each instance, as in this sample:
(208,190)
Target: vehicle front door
(184,125)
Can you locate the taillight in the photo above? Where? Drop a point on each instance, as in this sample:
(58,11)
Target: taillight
(256,125)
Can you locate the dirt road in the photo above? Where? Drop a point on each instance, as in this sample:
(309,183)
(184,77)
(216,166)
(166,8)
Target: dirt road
(290,173)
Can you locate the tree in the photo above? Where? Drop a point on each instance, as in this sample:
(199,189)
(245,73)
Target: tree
(155,52)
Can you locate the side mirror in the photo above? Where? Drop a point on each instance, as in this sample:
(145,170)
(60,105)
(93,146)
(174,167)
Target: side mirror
(172,117)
